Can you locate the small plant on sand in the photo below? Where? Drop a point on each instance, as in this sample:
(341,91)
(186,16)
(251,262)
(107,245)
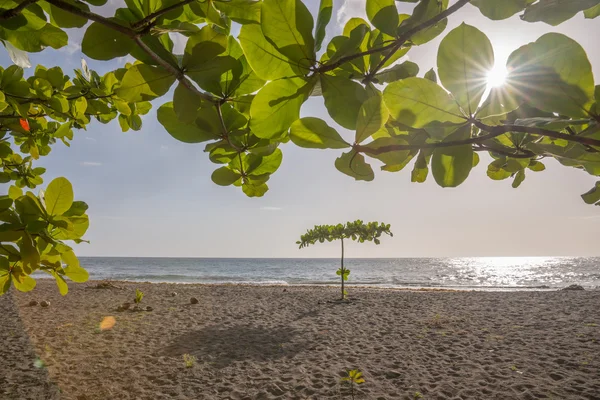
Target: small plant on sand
(356,230)
(139,295)
(418,395)
(353,377)
(189,360)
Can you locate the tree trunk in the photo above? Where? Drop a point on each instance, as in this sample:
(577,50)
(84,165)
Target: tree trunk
(343,270)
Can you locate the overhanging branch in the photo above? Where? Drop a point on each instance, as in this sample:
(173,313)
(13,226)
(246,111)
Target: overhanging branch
(396,44)
(492,132)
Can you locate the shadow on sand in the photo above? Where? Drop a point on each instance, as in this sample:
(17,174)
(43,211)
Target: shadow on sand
(221,345)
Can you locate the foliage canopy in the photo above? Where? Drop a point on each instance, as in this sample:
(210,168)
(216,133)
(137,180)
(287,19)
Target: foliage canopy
(242,97)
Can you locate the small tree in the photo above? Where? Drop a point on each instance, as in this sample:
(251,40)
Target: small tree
(356,230)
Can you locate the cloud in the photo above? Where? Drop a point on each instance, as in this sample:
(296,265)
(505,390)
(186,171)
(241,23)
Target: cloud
(271,208)
(72,47)
(91,164)
(351,9)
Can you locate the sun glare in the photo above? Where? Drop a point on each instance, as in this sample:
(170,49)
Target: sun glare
(497,76)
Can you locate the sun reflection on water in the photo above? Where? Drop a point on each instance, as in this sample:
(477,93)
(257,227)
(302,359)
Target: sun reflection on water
(504,271)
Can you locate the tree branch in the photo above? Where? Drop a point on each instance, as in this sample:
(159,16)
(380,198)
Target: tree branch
(63,5)
(537,131)
(492,132)
(400,40)
(154,15)
(523,154)
(396,147)
(13,12)
(178,73)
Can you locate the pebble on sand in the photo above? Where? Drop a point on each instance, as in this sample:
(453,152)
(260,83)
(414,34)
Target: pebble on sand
(194,300)
(45,303)
(173,294)
(33,303)
(148,308)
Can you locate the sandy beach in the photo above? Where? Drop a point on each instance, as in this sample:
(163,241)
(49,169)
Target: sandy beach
(296,343)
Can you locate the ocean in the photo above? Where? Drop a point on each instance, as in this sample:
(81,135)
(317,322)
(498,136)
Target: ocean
(491,273)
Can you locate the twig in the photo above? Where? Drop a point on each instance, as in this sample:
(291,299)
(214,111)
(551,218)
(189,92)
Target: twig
(142,22)
(13,12)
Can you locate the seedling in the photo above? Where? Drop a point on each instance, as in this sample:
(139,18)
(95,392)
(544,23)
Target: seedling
(189,360)
(353,377)
(139,295)
(418,395)
(356,230)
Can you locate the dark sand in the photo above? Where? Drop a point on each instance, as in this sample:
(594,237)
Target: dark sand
(271,343)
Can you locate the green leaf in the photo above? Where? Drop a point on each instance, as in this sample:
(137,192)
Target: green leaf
(383,14)
(65,19)
(288,25)
(400,71)
(417,102)
(224,176)
(430,75)
(58,196)
(372,115)
(424,11)
(451,165)
(314,133)
(103,43)
(593,12)
(536,166)
(496,171)
(277,106)
(592,196)
(343,99)
(421,167)
(22,281)
(393,157)
(540,75)
(14,192)
(63,288)
(4,275)
(555,12)
(254,190)
(266,61)
(144,82)
(325,10)
(500,101)
(353,164)
(73,270)
(241,11)
(186,104)
(495,10)
(519,178)
(464,59)
(202,47)
(187,133)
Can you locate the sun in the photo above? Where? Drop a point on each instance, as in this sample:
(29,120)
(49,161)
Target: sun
(497,76)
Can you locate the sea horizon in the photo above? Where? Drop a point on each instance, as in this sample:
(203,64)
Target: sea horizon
(485,273)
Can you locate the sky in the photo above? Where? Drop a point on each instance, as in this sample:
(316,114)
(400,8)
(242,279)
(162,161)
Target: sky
(150,195)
